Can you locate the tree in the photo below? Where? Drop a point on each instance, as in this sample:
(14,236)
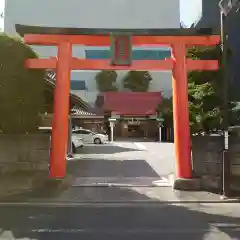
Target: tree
(106,81)
(204,93)
(165,111)
(204,87)
(21,89)
(137,81)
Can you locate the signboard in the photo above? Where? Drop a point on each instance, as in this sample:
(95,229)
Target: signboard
(115,117)
(134,122)
(121,49)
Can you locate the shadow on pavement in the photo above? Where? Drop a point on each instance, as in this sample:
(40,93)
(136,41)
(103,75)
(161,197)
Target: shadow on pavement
(132,139)
(110,168)
(104,149)
(136,221)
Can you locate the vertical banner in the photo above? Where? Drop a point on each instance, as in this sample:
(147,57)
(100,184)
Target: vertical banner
(121,49)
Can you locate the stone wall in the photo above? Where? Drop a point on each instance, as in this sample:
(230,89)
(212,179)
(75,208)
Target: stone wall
(207,154)
(207,160)
(24,153)
(234,149)
(23,162)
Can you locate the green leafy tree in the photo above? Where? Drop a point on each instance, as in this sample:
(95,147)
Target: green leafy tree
(137,81)
(204,92)
(21,89)
(165,111)
(205,101)
(106,81)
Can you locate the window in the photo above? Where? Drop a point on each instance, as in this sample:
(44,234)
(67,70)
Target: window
(150,54)
(137,54)
(98,54)
(78,85)
(81,132)
(86,132)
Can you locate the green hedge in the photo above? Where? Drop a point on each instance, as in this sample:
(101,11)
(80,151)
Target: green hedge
(21,89)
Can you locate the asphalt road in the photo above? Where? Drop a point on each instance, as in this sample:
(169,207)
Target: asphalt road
(151,221)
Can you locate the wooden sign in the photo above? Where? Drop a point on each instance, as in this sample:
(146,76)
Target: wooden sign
(121,49)
(134,122)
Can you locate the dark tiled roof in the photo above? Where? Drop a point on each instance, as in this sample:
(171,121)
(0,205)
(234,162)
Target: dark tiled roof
(79,111)
(51,79)
(132,103)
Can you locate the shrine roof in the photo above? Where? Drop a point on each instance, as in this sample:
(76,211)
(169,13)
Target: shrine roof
(132,103)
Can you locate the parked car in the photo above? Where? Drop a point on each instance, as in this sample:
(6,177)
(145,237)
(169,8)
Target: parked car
(89,136)
(77,141)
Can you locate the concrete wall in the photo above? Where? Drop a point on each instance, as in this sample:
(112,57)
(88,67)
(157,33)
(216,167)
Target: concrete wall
(210,15)
(95,14)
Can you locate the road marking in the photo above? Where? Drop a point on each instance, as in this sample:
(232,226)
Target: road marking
(131,231)
(164,179)
(140,146)
(226,225)
(8,235)
(135,203)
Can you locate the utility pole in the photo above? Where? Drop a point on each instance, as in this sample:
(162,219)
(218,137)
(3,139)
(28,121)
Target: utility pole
(225,124)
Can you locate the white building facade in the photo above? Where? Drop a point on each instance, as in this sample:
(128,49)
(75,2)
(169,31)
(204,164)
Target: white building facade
(96,14)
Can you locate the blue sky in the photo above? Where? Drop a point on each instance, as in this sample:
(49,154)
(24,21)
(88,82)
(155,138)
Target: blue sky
(190,10)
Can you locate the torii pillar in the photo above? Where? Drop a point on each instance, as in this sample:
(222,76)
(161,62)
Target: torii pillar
(182,136)
(60,124)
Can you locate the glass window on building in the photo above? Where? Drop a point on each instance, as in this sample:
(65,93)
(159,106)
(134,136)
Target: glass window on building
(78,85)
(137,54)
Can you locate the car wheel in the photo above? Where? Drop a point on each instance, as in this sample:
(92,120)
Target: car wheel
(97,141)
(74,150)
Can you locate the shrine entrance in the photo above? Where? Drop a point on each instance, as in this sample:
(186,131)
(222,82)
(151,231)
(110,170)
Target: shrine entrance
(121,42)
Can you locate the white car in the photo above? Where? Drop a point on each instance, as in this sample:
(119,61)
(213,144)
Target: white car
(77,141)
(90,136)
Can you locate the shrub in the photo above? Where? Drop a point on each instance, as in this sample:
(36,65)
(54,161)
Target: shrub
(21,89)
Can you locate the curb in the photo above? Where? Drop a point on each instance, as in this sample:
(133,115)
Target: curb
(114,204)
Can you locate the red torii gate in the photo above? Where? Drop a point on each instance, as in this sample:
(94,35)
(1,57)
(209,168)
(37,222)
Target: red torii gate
(64,38)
